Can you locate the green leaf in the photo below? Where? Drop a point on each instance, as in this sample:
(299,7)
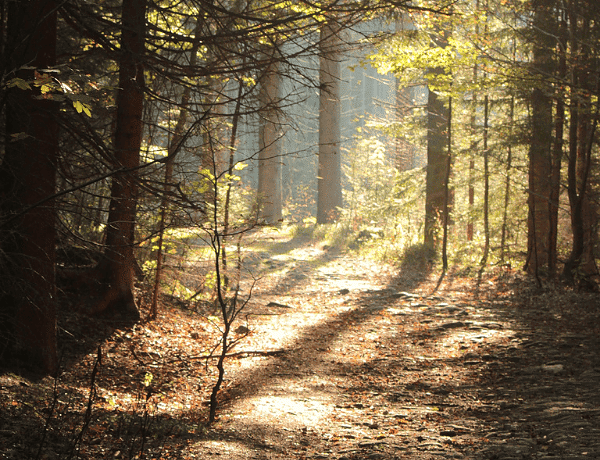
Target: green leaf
(19,83)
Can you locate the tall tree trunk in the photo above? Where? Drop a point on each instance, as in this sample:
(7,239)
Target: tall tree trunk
(447,197)
(27,183)
(509,155)
(486,181)
(329,175)
(587,267)
(471,178)
(438,140)
(119,264)
(269,145)
(576,224)
(473,146)
(587,128)
(557,154)
(540,150)
(437,151)
(581,266)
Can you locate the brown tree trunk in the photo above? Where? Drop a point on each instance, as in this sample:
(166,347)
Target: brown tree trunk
(269,146)
(581,266)
(557,154)
(329,182)
(587,126)
(27,183)
(507,182)
(473,146)
(540,150)
(437,152)
(587,267)
(486,181)
(447,192)
(438,140)
(119,264)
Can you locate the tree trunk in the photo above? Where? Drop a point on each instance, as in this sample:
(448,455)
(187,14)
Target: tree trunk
(587,126)
(507,182)
(437,151)
(471,178)
(447,194)
(473,146)
(587,263)
(438,140)
(329,176)
(27,183)
(486,181)
(119,264)
(540,150)
(557,153)
(581,265)
(269,145)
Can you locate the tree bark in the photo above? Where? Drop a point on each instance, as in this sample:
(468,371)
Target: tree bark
(557,154)
(119,264)
(581,267)
(269,146)
(472,150)
(28,178)
(329,175)
(540,150)
(507,182)
(437,151)
(486,181)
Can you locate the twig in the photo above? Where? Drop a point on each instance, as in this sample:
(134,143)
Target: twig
(90,405)
(49,418)
(239,354)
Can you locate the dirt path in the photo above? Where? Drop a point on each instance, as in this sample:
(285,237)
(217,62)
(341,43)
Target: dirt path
(369,365)
(377,368)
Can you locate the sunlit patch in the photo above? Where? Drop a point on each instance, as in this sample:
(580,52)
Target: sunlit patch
(224,449)
(290,410)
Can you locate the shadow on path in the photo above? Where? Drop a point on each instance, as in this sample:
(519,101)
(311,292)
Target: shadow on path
(507,374)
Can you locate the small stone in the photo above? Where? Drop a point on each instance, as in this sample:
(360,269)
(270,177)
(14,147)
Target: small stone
(554,368)
(452,325)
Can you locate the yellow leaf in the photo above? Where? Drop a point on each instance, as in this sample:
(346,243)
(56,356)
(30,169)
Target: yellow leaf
(81,107)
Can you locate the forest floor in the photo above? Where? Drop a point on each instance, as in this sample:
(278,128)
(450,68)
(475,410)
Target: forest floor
(339,358)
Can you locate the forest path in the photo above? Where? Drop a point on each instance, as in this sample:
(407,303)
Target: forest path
(376,367)
(349,360)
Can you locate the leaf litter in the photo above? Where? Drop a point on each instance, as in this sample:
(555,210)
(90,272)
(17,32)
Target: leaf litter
(339,358)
